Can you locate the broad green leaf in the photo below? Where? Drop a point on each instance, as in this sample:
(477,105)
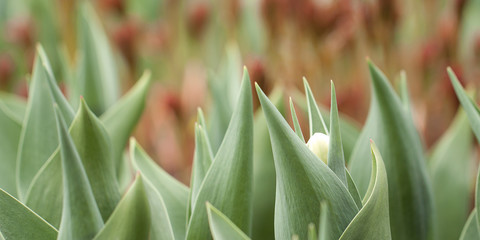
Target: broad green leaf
(301,173)
(264,173)
(403,90)
(372,221)
(173,193)
(131,218)
(97,80)
(45,195)
(94,148)
(296,124)
(81,218)
(315,119)
(10,130)
(221,227)
(224,91)
(391,127)
(17,221)
(449,165)
(470,231)
(38,138)
(121,119)
(228,183)
(336,159)
(161,226)
(202,159)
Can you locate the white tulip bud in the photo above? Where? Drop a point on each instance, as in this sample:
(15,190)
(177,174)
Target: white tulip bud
(318,144)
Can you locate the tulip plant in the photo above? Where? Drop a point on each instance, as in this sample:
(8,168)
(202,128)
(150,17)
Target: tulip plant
(66,174)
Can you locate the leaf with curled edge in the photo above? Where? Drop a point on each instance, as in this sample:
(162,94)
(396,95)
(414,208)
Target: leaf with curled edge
(228,182)
(470,230)
(299,173)
(391,127)
(372,221)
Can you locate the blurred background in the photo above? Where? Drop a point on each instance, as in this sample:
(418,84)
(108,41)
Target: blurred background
(193,47)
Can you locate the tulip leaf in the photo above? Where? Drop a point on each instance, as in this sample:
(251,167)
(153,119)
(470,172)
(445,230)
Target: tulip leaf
(336,159)
(93,146)
(296,124)
(352,188)
(97,80)
(121,119)
(10,129)
(17,221)
(45,195)
(173,193)
(324,227)
(221,227)
(264,173)
(391,127)
(231,172)
(38,138)
(372,221)
(299,173)
(131,218)
(202,159)
(161,226)
(470,231)
(81,218)
(449,165)
(315,119)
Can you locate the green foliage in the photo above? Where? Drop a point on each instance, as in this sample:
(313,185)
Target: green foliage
(253,176)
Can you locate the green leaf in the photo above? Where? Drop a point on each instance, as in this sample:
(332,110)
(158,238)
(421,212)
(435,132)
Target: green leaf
(131,218)
(14,105)
(324,226)
(372,221)
(312,233)
(352,188)
(315,119)
(301,173)
(231,172)
(264,173)
(97,80)
(94,148)
(391,127)
(336,159)
(10,130)
(161,226)
(470,231)
(221,227)
(173,193)
(39,139)
(202,159)
(296,124)
(45,195)
(224,90)
(17,221)
(121,119)
(449,166)
(81,218)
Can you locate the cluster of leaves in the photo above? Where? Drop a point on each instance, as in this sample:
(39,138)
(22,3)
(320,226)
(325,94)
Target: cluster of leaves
(65,175)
